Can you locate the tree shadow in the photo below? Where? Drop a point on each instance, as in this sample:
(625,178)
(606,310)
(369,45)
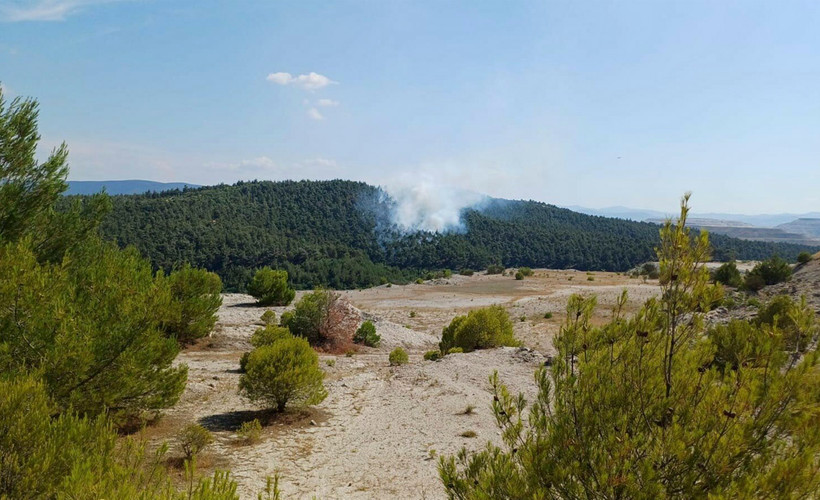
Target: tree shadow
(232,420)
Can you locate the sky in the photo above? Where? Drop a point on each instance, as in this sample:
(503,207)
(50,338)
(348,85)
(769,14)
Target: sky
(591,103)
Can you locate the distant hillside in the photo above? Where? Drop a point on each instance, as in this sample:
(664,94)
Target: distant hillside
(806,226)
(123,187)
(637,214)
(339,234)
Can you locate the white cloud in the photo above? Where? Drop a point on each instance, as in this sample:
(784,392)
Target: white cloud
(44,10)
(315,114)
(327,103)
(310,81)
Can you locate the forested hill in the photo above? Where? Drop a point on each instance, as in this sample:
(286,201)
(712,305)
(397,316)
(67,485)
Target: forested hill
(337,234)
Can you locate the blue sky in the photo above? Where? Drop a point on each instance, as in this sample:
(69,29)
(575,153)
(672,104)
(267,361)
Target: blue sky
(569,102)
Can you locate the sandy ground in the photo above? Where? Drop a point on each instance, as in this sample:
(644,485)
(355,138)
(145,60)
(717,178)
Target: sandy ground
(380,430)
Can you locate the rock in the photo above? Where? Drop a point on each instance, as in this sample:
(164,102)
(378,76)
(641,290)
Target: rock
(313,422)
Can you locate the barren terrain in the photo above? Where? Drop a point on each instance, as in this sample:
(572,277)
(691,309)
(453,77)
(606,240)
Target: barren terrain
(381,429)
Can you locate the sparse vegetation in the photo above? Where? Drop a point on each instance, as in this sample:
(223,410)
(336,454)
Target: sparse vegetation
(769,272)
(192,439)
(469,410)
(250,432)
(268,335)
(366,334)
(194,301)
(728,274)
(455,350)
(268,317)
(468,434)
(398,356)
(466,272)
(323,319)
(282,373)
(495,269)
(525,271)
(432,355)
(519,275)
(548,315)
(803,257)
(480,329)
(270,287)
(607,424)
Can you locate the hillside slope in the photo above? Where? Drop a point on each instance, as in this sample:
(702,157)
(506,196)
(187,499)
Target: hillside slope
(339,234)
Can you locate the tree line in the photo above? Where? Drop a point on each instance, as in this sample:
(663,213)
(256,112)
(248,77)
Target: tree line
(339,234)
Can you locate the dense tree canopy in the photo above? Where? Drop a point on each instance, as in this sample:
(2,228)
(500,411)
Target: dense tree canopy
(339,234)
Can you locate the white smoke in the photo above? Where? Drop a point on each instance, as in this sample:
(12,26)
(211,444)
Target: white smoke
(425,204)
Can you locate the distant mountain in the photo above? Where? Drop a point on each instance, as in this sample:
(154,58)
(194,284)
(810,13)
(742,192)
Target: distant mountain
(806,226)
(123,187)
(341,234)
(638,214)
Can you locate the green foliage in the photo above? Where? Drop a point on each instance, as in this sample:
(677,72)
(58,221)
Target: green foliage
(590,278)
(270,288)
(480,329)
(43,456)
(455,350)
(335,234)
(284,372)
(269,334)
(519,275)
(466,272)
(366,334)
(192,439)
(495,269)
(432,355)
(526,271)
(728,274)
(268,317)
(769,272)
(398,356)
(195,300)
(547,315)
(656,405)
(784,319)
(307,318)
(250,432)
(91,328)
(803,257)
(243,362)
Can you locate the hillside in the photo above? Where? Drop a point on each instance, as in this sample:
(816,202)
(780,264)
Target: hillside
(123,187)
(339,234)
(805,282)
(809,227)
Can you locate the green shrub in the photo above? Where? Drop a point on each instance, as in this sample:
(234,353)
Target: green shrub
(366,334)
(480,329)
(398,356)
(523,318)
(270,287)
(728,274)
(412,314)
(250,432)
(526,271)
(495,269)
(753,282)
(547,315)
(784,312)
(803,257)
(286,371)
(307,317)
(92,328)
(618,414)
(519,275)
(466,272)
(193,439)
(243,362)
(268,317)
(432,355)
(269,334)
(590,278)
(769,272)
(195,300)
(419,281)
(455,350)
(446,273)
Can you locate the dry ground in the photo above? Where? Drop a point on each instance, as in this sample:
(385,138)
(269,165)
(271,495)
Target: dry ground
(379,432)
